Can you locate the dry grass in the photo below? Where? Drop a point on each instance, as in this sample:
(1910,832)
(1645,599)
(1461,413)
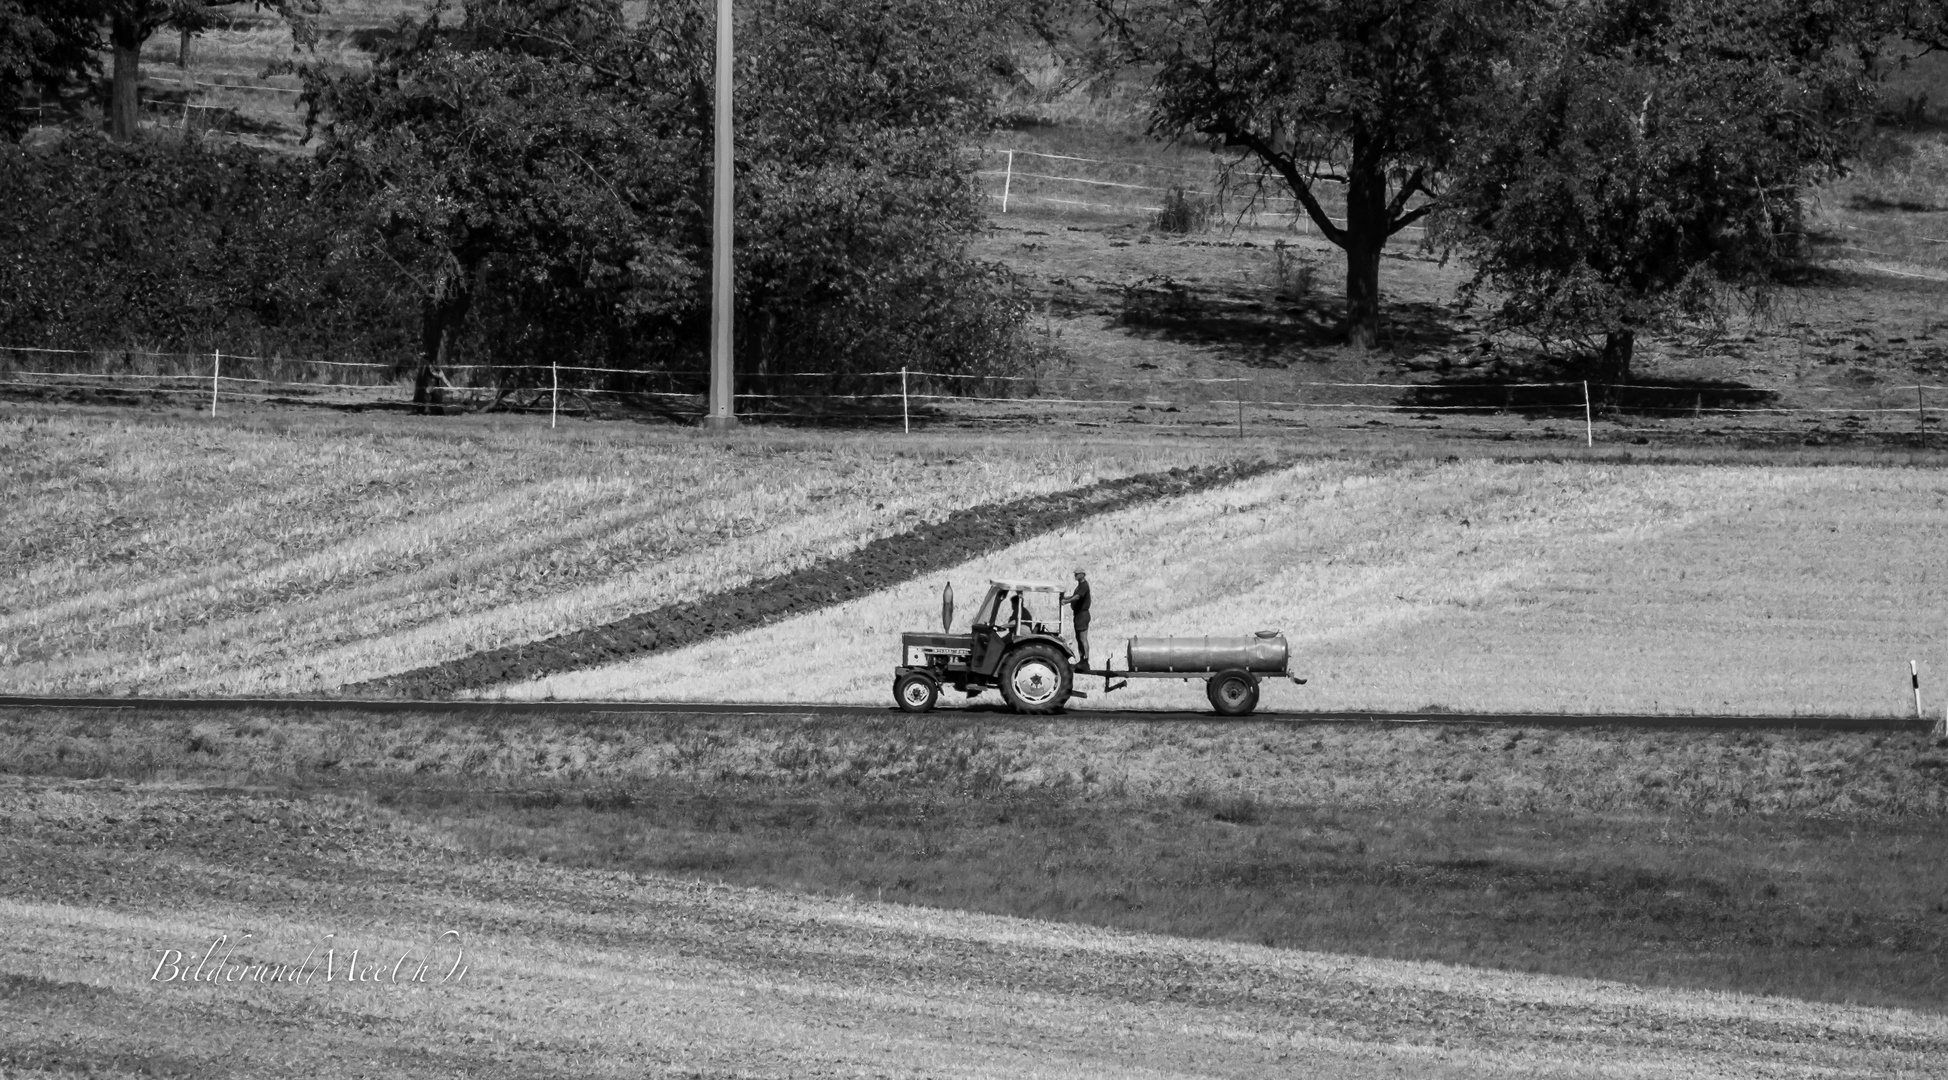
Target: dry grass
(1867,780)
(168,553)
(1472,585)
(1748,862)
(1894,212)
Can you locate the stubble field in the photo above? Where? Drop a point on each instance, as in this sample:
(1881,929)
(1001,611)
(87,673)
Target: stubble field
(164,553)
(1452,585)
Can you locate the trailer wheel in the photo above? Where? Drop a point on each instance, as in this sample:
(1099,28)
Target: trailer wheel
(915,691)
(1035,679)
(1233,693)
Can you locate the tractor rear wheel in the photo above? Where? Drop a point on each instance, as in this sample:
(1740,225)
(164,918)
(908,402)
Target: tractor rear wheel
(915,692)
(1233,693)
(1035,678)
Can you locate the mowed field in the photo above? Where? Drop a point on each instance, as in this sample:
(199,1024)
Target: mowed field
(278,553)
(736,896)
(1451,585)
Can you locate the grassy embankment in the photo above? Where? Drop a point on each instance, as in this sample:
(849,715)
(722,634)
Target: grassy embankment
(261,553)
(1468,585)
(1805,865)
(1134,312)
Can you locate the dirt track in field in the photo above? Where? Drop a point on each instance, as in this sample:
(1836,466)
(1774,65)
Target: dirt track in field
(594,973)
(963,535)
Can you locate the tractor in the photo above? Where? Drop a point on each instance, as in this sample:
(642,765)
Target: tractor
(1010,646)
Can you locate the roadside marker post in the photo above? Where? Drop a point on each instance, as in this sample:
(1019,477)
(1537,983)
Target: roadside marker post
(1007,181)
(1914,675)
(906,417)
(216,372)
(554,394)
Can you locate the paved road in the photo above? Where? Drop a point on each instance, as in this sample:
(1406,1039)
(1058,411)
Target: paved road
(692,708)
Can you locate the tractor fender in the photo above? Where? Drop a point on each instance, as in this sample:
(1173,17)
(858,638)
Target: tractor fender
(1047,639)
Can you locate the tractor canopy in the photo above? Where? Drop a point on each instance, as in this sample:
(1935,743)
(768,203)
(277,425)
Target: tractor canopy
(1008,605)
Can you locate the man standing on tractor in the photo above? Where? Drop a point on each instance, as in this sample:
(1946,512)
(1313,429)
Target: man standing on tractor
(1078,602)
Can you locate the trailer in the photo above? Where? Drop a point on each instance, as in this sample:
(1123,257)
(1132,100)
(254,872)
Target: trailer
(1231,667)
(1029,659)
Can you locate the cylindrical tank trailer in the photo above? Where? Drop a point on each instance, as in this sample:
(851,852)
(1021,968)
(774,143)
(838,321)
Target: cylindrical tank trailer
(1265,651)
(1230,666)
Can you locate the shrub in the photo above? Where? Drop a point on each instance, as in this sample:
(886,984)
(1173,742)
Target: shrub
(1183,211)
(182,246)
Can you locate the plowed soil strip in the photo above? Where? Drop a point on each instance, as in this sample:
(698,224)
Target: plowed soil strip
(961,536)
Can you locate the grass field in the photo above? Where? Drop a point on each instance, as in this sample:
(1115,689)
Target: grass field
(1466,585)
(270,553)
(1211,900)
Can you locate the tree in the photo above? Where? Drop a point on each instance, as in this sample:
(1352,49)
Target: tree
(542,169)
(1923,22)
(482,157)
(47,48)
(132,22)
(1650,161)
(1371,94)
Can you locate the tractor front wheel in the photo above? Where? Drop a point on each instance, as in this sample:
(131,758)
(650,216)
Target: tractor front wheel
(1233,693)
(915,692)
(1036,679)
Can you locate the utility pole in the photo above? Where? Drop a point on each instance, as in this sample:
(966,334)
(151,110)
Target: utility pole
(723,408)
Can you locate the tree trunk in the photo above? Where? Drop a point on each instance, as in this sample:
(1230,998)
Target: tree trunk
(438,323)
(124,97)
(1613,366)
(1366,234)
(1362,293)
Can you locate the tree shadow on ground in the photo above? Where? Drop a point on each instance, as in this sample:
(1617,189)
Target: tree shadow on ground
(1261,324)
(1563,391)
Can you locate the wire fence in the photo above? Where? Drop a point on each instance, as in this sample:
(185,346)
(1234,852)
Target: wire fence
(1226,193)
(1264,403)
(1018,178)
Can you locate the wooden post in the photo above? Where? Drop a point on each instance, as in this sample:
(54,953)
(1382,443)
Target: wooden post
(216,372)
(554,396)
(1589,422)
(906,416)
(1008,181)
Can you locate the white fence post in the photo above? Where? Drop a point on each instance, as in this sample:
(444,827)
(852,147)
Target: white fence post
(216,372)
(554,394)
(1589,423)
(1008,181)
(906,417)
(1914,676)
